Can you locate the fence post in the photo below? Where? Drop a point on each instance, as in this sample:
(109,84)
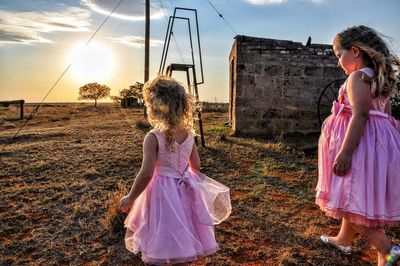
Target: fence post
(21,106)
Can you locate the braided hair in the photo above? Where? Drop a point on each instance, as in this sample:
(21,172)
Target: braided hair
(376,55)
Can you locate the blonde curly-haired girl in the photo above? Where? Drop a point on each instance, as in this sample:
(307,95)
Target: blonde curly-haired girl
(173,206)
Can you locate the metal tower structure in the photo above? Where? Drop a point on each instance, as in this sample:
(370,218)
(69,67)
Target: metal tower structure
(190,69)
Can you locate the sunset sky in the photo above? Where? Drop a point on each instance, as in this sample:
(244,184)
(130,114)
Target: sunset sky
(40,38)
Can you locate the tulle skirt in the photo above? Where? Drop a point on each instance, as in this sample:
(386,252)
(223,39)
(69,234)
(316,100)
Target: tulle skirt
(369,194)
(173,220)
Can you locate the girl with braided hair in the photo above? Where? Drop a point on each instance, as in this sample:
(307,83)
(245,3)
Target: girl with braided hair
(359,146)
(173,206)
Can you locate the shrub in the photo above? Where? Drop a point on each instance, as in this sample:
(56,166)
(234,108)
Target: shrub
(114,221)
(142,124)
(396,105)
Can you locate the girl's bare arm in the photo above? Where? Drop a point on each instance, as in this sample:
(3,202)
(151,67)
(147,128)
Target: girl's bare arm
(360,99)
(147,169)
(194,161)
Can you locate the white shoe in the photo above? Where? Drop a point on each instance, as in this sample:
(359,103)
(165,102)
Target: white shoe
(394,256)
(346,250)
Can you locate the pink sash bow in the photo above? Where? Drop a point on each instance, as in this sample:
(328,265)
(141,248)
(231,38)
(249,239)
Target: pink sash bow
(338,108)
(201,201)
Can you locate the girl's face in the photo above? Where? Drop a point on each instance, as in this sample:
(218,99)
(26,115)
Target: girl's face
(348,59)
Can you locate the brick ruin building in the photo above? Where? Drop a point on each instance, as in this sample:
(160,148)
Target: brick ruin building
(274,85)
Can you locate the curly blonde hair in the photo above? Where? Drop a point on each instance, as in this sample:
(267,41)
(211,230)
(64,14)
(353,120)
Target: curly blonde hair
(376,56)
(169,106)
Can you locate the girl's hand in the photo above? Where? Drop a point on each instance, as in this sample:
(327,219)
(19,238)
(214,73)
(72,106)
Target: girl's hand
(342,163)
(125,204)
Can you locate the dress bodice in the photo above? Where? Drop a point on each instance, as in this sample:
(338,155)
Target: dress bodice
(174,160)
(379,103)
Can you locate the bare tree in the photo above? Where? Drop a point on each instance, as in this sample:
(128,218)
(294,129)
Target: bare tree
(94,91)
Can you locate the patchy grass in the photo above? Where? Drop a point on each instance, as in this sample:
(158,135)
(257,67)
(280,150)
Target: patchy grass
(114,220)
(62,177)
(218,129)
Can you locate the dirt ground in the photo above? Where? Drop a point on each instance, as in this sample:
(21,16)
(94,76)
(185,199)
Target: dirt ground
(61,177)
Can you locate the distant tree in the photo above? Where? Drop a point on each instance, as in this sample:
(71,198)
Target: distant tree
(126,93)
(94,91)
(134,91)
(115,98)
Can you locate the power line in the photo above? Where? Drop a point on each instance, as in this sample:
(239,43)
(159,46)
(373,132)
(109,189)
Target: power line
(220,15)
(170,7)
(163,5)
(65,71)
(177,47)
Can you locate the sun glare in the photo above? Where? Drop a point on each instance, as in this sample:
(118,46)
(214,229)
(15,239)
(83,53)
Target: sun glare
(92,63)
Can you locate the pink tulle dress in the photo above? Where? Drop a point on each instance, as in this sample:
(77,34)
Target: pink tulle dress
(369,194)
(172,221)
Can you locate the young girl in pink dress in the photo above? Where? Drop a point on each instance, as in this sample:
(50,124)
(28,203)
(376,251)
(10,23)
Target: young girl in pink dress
(359,147)
(173,207)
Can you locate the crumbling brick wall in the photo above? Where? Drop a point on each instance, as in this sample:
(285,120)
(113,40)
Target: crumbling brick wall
(275,84)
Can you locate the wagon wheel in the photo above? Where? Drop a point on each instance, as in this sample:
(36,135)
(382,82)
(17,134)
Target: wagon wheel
(327,96)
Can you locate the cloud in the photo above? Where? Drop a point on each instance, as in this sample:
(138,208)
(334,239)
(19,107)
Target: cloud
(266,2)
(277,2)
(28,27)
(135,41)
(128,10)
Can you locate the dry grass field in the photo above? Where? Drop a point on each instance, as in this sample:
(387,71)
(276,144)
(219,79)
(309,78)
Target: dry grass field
(62,176)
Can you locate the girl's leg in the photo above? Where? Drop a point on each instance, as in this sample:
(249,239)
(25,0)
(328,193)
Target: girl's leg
(381,259)
(345,235)
(378,239)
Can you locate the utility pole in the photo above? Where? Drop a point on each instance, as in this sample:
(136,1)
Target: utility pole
(146,46)
(147,42)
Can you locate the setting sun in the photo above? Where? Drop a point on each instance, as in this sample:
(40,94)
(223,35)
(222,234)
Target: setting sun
(92,63)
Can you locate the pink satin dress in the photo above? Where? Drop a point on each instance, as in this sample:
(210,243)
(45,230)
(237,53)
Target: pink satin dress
(369,194)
